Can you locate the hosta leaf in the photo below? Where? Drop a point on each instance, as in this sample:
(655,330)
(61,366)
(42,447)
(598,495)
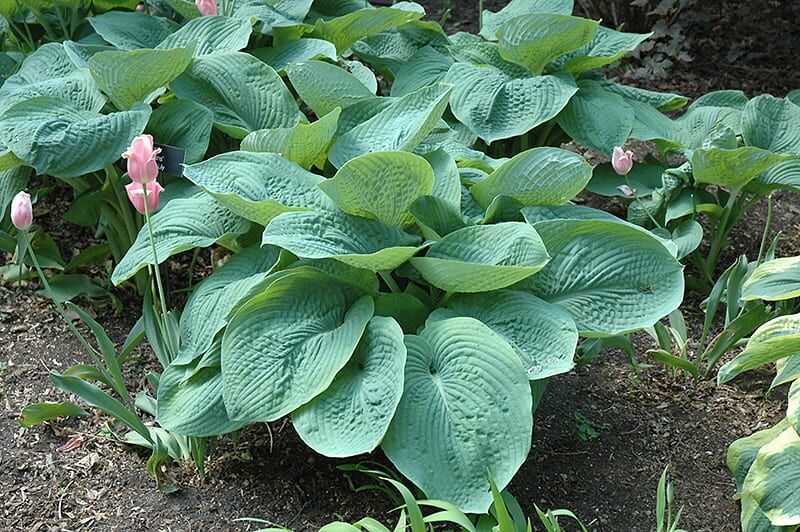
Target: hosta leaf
(285,346)
(184,124)
(345,30)
(131,31)
(735,99)
(436,217)
(381,186)
(399,127)
(774,280)
(59,139)
(774,479)
(465,415)
(784,175)
(743,451)
(778,338)
(597,118)
(324,87)
(361,72)
(470,48)
(388,51)
(482,258)
(515,8)
(359,242)
(496,106)
(426,67)
(190,400)
(732,168)
(535,40)
(687,237)
(610,277)
(446,180)
(132,77)
(698,123)
(258,186)
(644,179)
(534,215)
(406,309)
(49,61)
(192,220)
(303,144)
(772,124)
(663,101)
(540,176)
(297,51)
(360,278)
(543,335)
(606,47)
(353,414)
(206,311)
(786,370)
(272,15)
(244,93)
(210,34)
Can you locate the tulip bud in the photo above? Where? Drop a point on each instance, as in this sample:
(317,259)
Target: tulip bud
(622,161)
(141,156)
(207,7)
(22,211)
(136,195)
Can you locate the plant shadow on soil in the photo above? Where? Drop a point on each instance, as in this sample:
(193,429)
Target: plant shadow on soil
(645,420)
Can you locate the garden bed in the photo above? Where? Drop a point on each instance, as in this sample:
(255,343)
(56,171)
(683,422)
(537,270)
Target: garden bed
(644,418)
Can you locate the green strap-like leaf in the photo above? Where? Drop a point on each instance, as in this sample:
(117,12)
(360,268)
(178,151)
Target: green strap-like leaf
(59,139)
(192,220)
(353,414)
(359,242)
(381,186)
(483,258)
(285,346)
(132,77)
(465,415)
(540,176)
(244,93)
(399,127)
(258,186)
(610,277)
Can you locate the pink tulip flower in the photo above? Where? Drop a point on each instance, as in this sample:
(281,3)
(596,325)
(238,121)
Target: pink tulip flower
(136,195)
(141,156)
(22,211)
(622,161)
(207,7)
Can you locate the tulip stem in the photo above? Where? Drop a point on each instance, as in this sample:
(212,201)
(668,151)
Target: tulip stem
(160,286)
(63,313)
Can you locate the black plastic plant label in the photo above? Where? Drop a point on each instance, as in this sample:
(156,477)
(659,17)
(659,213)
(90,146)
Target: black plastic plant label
(170,160)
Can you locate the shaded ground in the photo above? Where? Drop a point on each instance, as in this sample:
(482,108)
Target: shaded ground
(644,420)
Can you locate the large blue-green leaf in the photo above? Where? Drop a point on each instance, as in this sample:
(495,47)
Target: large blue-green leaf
(355,241)
(304,144)
(297,51)
(426,67)
(381,186)
(607,46)
(132,77)
(543,335)
(183,124)
(244,93)
(58,138)
(465,415)
(388,51)
(324,87)
(398,127)
(772,124)
(210,35)
(345,30)
(193,219)
(540,176)
(535,40)
(597,118)
(132,31)
(207,309)
(482,258)
(610,277)
(353,414)
(496,106)
(285,346)
(258,186)
(491,22)
(733,168)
